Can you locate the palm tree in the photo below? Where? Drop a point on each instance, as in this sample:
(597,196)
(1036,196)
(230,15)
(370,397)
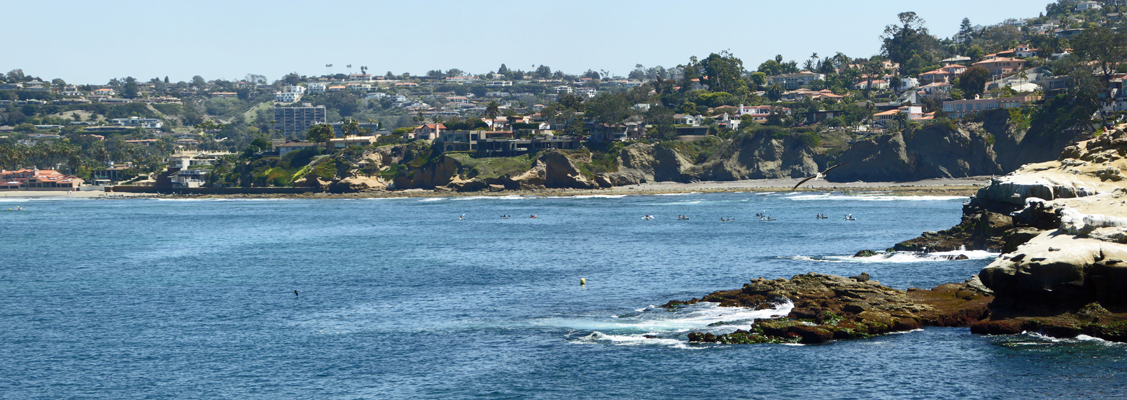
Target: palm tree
(273,128)
(492,111)
(351,126)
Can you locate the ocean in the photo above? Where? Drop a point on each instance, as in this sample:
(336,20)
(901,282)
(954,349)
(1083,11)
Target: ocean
(403,298)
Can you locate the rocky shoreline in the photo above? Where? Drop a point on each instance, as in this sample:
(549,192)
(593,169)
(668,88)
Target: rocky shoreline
(828,307)
(1062,228)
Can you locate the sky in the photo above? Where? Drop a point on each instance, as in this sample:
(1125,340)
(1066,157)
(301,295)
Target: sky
(91,42)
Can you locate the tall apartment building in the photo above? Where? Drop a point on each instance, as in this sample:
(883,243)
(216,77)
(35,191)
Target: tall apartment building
(295,121)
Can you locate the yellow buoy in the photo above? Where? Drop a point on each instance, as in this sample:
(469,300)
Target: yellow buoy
(582,282)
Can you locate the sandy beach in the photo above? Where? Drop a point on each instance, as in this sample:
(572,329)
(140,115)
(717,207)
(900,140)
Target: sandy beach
(84,194)
(930,187)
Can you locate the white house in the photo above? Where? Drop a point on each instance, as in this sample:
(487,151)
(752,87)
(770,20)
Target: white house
(317,88)
(1088,5)
(147,123)
(686,119)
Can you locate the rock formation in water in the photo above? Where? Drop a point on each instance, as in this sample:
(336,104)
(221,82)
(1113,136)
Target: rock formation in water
(828,307)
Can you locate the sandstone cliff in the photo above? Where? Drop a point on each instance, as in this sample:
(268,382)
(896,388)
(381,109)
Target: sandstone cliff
(1063,228)
(935,151)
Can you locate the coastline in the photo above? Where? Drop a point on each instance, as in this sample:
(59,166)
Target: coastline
(931,187)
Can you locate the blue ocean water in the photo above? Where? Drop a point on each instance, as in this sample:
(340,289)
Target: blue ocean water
(400,298)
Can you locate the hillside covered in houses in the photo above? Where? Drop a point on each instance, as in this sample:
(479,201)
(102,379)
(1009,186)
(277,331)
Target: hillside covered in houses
(984,101)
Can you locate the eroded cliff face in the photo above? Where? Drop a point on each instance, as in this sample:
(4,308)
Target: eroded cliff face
(935,151)
(758,156)
(642,162)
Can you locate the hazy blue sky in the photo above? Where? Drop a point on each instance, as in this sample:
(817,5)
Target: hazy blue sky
(85,41)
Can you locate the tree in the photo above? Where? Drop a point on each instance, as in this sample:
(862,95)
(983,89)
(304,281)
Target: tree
(973,80)
(965,30)
(350,126)
(759,79)
(873,68)
(16,75)
(775,93)
(454,72)
(129,90)
(770,68)
(1106,49)
(291,79)
(543,72)
(503,70)
(901,41)
(492,110)
(320,133)
(199,82)
(608,108)
(723,72)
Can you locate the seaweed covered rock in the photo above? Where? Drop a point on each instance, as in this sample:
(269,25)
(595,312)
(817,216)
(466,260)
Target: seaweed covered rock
(828,307)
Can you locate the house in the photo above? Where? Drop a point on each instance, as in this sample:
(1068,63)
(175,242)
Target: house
(71,90)
(1088,5)
(936,88)
(909,83)
(289,94)
(505,147)
(104,92)
(914,113)
(11,86)
(359,87)
(955,60)
(961,108)
(728,123)
(146,123)
(877,84)
(1024,51)
(687,119)
(189,178)
(35,86)
(462,140)
(38,179)
(294,145)
(1001,65)
(795,81)
(349,141)
(462,80)
(760,113)
(1067,33)
(822,115)
(317,88)
(360,77)
(427,131)
(224,94)
(589,92)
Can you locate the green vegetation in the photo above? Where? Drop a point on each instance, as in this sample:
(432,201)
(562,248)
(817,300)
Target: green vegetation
(493,167)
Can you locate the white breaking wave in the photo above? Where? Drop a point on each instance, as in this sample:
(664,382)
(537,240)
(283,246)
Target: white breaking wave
(674,194)
(430,199)
(662,326)
(592,196)
(831,196)
(905,257)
